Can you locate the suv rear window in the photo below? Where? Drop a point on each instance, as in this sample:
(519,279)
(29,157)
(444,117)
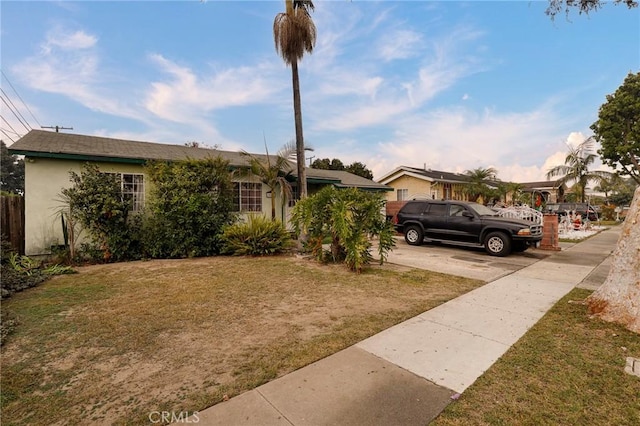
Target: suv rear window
(437,210)
(413,208)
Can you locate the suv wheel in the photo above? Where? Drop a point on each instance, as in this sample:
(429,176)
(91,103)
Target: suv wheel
(497,244)
(413,235)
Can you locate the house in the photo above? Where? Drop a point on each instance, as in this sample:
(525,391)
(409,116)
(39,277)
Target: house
(412,182)
(50,156)
(548,191)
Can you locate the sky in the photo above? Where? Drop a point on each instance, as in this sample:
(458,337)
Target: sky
(446,85)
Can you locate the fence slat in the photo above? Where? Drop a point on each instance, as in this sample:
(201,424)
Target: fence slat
(12,221)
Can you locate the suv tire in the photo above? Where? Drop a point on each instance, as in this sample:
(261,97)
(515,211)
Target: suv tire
(497,244)
(413,235)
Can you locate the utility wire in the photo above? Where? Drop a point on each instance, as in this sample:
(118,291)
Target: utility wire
(14,113)
(24,120)
(20,97)
(9,124)
(2,130)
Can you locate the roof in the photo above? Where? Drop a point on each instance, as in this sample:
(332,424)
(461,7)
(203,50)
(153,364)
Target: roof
(40,143)
(426,174)
(542,184)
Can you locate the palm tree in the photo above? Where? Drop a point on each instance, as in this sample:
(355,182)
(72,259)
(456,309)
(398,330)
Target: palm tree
(294,34)
(576,168)
(477,182)
(272,172)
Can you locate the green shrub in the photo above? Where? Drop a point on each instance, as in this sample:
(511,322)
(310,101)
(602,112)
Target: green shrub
(256,237)
(95,201)
(191,203)
(349,218)
(14,281)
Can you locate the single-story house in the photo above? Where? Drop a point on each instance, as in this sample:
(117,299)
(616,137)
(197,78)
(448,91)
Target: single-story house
(411,182)
(50,156)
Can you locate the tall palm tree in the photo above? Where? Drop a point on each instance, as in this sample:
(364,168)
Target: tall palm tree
(477,182)
(576,168)
(272,172)
(294,34)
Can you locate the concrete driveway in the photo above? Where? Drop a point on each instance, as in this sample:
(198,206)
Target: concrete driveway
(463,261)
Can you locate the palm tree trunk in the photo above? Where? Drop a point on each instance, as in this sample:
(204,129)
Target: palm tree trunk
(297,111)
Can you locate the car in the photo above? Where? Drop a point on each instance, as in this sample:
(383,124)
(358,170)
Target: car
(586,210)
(466,223)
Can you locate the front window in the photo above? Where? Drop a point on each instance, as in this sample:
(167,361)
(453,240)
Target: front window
(247,197)
(402,194)
(133,190)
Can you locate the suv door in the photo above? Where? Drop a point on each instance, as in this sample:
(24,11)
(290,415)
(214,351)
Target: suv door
(464,225)
(434,220)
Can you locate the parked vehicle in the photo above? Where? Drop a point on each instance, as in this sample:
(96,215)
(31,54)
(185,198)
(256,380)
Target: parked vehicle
(465,223)
(586,210)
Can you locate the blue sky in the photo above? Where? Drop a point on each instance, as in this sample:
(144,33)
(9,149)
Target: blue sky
(450,85)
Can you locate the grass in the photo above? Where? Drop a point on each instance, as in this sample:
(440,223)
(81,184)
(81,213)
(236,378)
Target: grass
(115,342)
(567,370)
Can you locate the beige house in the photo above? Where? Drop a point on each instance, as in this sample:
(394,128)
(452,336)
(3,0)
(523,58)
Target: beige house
(50,156)
(410,182)
(549,191)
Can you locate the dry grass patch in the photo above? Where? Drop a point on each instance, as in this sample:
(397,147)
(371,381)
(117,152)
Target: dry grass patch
(567,370)
(115,342)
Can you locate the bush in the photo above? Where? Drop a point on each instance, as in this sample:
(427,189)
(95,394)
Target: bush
(256,237)
(349,218)
(191,203)
(14,281)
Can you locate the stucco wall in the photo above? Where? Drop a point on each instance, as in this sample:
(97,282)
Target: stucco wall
(44,180)
(417,188)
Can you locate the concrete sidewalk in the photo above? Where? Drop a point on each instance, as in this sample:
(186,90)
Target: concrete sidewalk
(406,375)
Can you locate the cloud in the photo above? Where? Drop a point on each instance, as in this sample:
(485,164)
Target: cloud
(400,44)
(184,95)
(68,64)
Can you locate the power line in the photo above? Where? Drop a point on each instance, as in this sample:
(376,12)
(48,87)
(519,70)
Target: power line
(58,128)
(9,124)
(2,130)
(20,97)
(17,110)
(14,113)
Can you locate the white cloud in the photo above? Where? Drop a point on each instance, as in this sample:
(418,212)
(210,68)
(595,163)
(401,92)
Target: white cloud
(400,44)
(69,41)
(185,96)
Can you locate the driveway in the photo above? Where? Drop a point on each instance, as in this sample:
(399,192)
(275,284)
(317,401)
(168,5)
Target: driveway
(463,261)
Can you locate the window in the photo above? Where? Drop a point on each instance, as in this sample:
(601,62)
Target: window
(293,197)
(133,190)
(402,194)
(437,210)
(247,197)
(456,210)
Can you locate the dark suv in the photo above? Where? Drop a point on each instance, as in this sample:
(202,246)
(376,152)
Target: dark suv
(467,223)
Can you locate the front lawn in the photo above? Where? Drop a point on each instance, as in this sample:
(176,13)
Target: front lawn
(115,342)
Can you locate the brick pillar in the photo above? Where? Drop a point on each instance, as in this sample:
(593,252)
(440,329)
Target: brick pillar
(550,232)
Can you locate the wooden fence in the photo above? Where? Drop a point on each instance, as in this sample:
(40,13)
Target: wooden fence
(12,221)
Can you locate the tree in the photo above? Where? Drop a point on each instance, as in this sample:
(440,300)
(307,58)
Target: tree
(618,299)
(95,202)
(583,6)
(359,169)
(609,185)
(618,128)
(294,34)
(477,186)
(576,168)
(272,172)
(12,171)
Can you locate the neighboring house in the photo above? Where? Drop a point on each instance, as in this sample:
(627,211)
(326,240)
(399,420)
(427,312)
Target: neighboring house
(549,191)
(410,182)
(50,156)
